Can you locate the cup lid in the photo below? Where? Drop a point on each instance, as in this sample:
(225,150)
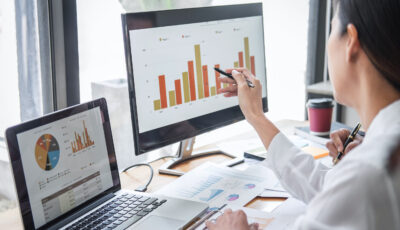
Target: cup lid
(320,103)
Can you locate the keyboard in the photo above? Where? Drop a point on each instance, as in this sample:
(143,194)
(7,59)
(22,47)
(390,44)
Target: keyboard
(120,213)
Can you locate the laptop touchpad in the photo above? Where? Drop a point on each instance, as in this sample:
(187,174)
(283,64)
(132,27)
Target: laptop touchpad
(159,222)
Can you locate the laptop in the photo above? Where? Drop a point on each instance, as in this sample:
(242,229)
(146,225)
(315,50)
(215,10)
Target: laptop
(66,177)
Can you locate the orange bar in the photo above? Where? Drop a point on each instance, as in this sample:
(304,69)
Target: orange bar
(241,59)
(253,65)
(163,91)
(191,81)
(205,81)
(217,81)
(178,92)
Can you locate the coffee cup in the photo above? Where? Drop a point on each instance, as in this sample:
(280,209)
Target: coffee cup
(320,116)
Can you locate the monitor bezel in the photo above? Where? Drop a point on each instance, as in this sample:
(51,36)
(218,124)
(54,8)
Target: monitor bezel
(178,17)
(17,166)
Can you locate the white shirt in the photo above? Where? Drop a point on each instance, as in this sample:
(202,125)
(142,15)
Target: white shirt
(358,193)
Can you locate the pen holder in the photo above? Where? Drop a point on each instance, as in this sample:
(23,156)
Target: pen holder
(320,116)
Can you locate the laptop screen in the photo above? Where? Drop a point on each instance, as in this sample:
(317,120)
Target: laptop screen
(65,163)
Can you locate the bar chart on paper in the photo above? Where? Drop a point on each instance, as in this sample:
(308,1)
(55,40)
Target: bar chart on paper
(174,67)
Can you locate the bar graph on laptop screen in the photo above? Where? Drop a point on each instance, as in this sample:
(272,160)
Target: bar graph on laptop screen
(173,67)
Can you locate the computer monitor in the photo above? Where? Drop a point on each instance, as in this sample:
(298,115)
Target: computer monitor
(170,57)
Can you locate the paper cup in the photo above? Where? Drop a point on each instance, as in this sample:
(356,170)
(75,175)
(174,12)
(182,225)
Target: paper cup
(320,116)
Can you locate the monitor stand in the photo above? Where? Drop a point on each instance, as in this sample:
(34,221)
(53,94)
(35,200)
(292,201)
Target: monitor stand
(185,152)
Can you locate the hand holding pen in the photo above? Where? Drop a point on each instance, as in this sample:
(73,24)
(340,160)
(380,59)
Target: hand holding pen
(229,75)
(250,98)
(349,139)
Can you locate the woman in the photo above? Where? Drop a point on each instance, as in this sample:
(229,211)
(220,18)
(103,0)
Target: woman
(364,66)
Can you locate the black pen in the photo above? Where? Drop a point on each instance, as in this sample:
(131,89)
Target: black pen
(206,217)
(249,83)
(349,139)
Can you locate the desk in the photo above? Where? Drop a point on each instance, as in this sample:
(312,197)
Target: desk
(138,176)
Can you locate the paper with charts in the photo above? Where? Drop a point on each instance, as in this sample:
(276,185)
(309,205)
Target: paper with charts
(216,185)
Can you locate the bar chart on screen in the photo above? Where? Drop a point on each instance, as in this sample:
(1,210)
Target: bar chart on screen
(173,67)
(201,84)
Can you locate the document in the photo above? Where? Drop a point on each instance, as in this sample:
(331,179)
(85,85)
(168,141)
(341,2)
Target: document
(286,214)
(273,187)
(217,185)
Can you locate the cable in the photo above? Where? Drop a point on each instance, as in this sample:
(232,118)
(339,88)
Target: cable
(142,188)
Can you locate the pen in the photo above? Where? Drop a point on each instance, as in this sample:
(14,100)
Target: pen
(249,83)
(349,139)
(206,217)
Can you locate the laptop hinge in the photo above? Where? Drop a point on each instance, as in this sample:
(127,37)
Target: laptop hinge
(82,212)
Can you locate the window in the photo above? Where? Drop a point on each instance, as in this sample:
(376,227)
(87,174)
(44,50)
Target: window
(9,96)
(103,70)
(22,67)
(24,84)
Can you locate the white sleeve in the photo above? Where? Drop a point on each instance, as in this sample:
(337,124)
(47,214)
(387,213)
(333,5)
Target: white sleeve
(350,199)
(297,171)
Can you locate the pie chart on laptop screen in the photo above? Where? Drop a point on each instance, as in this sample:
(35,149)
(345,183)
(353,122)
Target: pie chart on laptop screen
(47,152)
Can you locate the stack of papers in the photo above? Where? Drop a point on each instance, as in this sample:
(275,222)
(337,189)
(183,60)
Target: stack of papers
(219,185)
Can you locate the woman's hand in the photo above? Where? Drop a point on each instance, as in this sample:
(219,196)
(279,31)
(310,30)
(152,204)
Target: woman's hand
(335,145)
(250,99)
(231,221)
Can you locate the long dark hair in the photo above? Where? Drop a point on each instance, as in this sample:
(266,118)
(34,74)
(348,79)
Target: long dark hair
(378,27)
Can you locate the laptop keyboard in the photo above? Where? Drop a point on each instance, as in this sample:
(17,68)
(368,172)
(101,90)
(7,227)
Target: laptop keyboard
(125,208)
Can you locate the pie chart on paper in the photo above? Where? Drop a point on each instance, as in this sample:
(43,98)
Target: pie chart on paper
(249,186)
(47,152)
(233,197)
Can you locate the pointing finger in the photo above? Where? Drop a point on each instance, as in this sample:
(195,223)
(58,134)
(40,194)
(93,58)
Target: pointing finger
(239,78)
(237,69)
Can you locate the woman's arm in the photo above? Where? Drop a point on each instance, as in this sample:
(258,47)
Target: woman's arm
(250,102)
(298,172)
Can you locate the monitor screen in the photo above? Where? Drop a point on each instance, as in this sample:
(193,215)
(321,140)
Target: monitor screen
(65,162)
(171,57)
